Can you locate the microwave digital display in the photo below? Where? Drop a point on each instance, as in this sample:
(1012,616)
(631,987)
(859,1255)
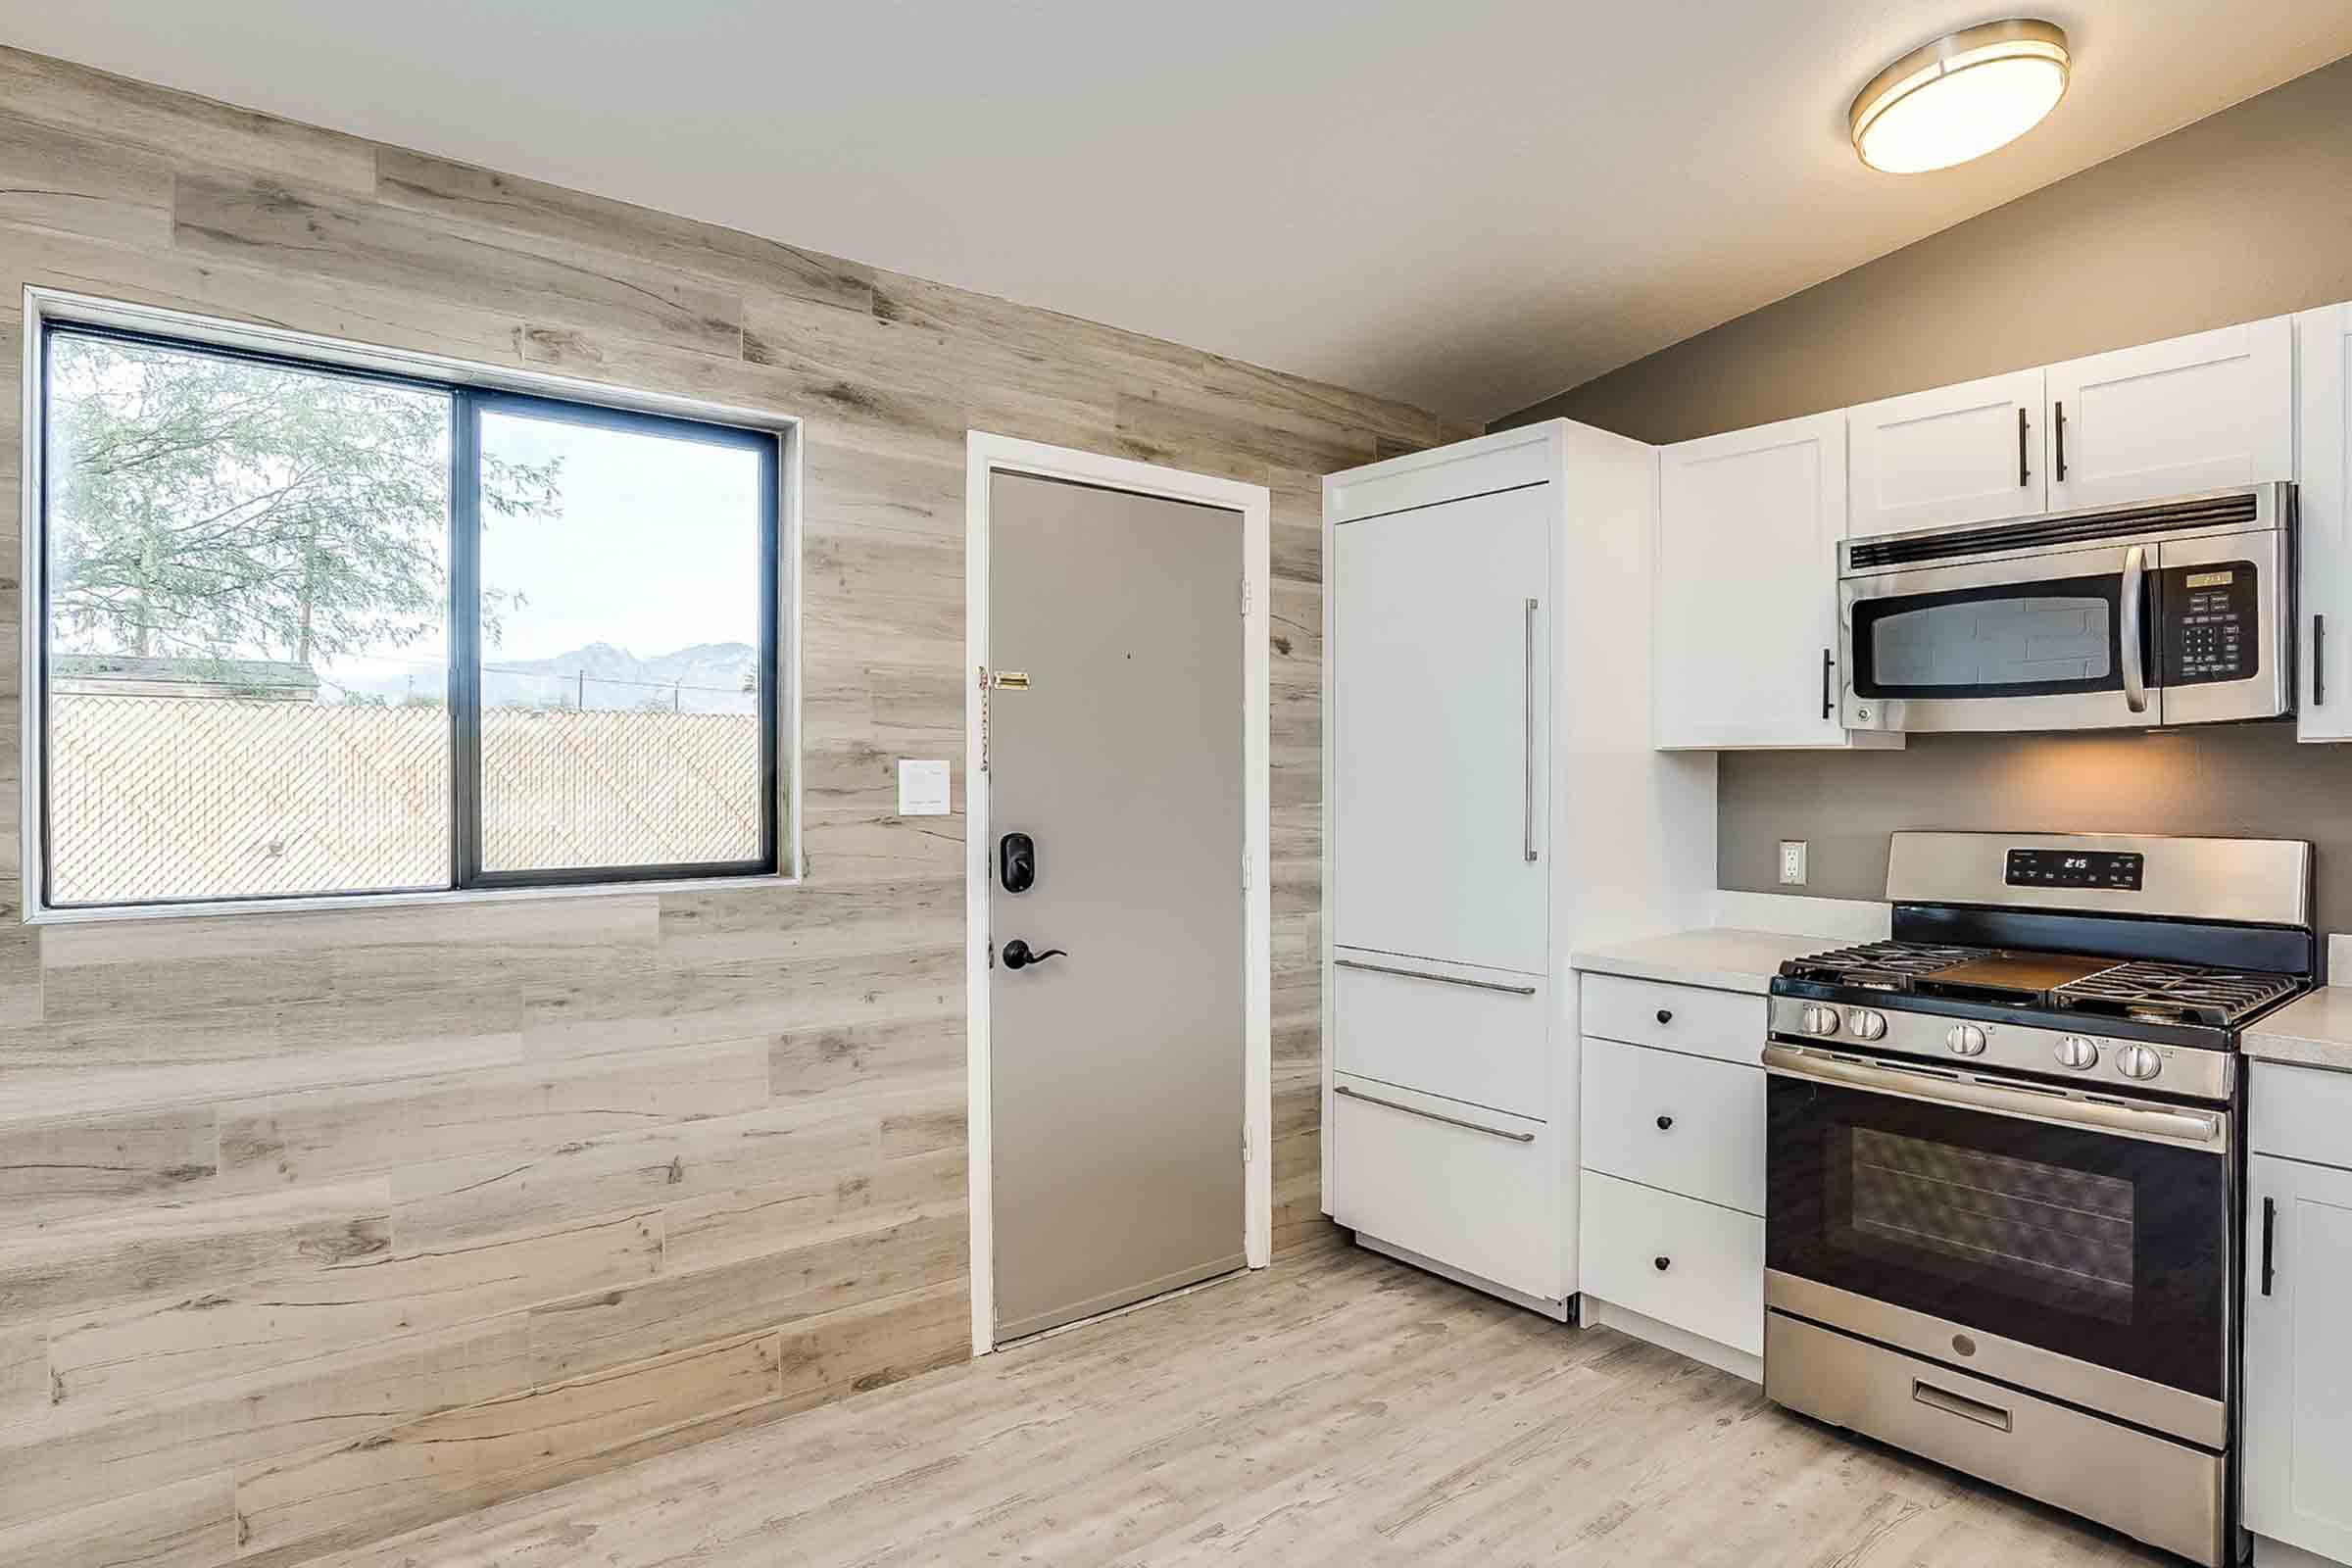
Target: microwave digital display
(2116,870)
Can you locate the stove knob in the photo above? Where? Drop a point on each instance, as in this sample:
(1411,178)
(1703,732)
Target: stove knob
(1866,1024)
(2139,1062)
(1820,1020)
(2078,1052)
(1965,1039)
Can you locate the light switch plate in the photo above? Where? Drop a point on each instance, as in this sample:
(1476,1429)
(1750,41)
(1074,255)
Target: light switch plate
(922,788)
(1793,863)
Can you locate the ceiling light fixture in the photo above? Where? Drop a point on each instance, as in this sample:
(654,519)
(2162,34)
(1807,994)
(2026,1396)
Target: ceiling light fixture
(1961,96)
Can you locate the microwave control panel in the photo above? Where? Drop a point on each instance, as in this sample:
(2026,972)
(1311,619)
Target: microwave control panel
(2206,629)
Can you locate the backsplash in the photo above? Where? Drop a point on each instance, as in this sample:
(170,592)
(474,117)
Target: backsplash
(2243,781)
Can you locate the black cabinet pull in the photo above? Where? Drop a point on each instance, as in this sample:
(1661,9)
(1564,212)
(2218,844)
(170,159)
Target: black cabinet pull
(2059,429)
(2269,1227)
(1662,1265)
(2025,470)
(1665,1124)
(1665,1015)
(2319,661)
(1825,683)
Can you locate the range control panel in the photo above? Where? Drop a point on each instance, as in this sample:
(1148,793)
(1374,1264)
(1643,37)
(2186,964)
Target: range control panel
(2076,869)
(2208,623)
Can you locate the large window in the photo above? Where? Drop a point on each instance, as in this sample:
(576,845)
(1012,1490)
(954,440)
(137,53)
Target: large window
(311,630)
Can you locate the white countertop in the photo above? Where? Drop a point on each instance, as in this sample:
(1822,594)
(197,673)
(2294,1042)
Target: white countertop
(1723,957)
(2313,1032)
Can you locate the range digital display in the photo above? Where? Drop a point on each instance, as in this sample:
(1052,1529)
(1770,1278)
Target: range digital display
(2116,870)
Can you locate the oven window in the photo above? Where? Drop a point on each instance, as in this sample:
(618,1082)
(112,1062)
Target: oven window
(2111,1250)
(1921,1202)
(2021,640)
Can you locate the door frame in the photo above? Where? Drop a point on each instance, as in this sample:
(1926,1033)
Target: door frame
(987,454)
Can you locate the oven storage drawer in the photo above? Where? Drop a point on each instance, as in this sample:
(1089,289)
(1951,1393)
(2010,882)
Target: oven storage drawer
(2166,1493)
(1728,1025)
(1712,1278)
(1688,1124)
(1468,1187)
(1473,1035)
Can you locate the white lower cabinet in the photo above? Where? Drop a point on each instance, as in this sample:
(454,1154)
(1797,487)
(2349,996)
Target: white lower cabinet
(1457,1184)
(1684,1124)
(1670,1223)
(2298,1416)
(1683,1261)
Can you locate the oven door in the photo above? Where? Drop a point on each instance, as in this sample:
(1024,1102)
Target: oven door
(2080,1248)
(2050,640)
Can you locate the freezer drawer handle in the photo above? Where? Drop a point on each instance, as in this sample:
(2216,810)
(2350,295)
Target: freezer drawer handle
(1431,1115)
(1441,979)
(1961,1405)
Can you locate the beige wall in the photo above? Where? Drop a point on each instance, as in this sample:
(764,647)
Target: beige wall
(2239,217)
(317,1225)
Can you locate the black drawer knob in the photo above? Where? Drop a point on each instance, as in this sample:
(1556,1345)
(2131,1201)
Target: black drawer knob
(1663,1264)
(1665,1015)
(1665,1124)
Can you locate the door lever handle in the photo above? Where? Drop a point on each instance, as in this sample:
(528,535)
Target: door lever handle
(1019,956)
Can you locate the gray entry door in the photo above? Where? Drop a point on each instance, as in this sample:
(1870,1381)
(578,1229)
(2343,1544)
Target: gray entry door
(1116,1070)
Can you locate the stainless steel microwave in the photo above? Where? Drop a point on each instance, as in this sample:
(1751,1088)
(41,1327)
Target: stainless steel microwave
(2177,612)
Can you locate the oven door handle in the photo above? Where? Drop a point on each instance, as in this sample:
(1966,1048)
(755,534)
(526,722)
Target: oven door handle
(2128,637)
(2203,1131)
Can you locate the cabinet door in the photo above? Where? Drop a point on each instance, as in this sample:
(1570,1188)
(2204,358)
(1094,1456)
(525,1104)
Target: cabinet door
(2324,699)
(2172,418)
(2298,1421)
(1745,621)
(1441,715)
(1956,454)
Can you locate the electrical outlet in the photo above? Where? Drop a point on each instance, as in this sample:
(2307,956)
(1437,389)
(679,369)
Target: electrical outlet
(1792,862)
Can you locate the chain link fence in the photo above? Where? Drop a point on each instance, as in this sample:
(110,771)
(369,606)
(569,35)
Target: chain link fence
(155,798)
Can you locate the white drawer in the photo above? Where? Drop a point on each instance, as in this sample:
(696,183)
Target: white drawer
(1473,1035)
(1725,1024)
(2300,1112)
(1712,1282)
(1689,1124)
(1406,1169)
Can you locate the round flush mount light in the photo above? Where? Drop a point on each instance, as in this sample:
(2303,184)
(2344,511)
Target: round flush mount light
(1961,96)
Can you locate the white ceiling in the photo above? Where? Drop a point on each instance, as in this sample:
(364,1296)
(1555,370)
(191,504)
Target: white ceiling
(1468,205)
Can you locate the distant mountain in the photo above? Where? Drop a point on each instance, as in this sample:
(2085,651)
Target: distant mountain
(705,679)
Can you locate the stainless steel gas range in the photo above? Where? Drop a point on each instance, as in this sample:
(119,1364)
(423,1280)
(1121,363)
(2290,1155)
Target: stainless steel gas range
(2005,1163)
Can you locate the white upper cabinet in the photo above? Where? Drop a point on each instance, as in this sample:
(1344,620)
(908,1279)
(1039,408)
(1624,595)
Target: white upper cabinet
(1744,619)
(2201,413)
(2324,698)
(1946,457)
(1441,715)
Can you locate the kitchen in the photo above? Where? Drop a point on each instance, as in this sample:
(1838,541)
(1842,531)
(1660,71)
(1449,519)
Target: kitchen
(1778,995)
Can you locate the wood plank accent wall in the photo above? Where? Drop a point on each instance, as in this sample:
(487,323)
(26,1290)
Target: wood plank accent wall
(316,1226)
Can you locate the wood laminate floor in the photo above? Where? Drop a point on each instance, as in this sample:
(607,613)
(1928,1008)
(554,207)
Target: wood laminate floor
(1339,1409)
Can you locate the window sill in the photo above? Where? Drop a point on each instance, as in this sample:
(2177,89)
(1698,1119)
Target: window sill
(442,898)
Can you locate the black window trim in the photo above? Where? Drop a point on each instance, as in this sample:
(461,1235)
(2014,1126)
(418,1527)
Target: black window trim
(468,401)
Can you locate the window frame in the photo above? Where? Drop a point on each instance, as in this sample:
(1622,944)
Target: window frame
(473,390)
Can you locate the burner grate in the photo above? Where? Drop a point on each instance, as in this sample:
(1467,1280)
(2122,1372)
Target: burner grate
(2174,993)
(1879,965)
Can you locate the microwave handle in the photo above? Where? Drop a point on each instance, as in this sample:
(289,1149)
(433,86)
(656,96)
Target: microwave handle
(2134,594)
